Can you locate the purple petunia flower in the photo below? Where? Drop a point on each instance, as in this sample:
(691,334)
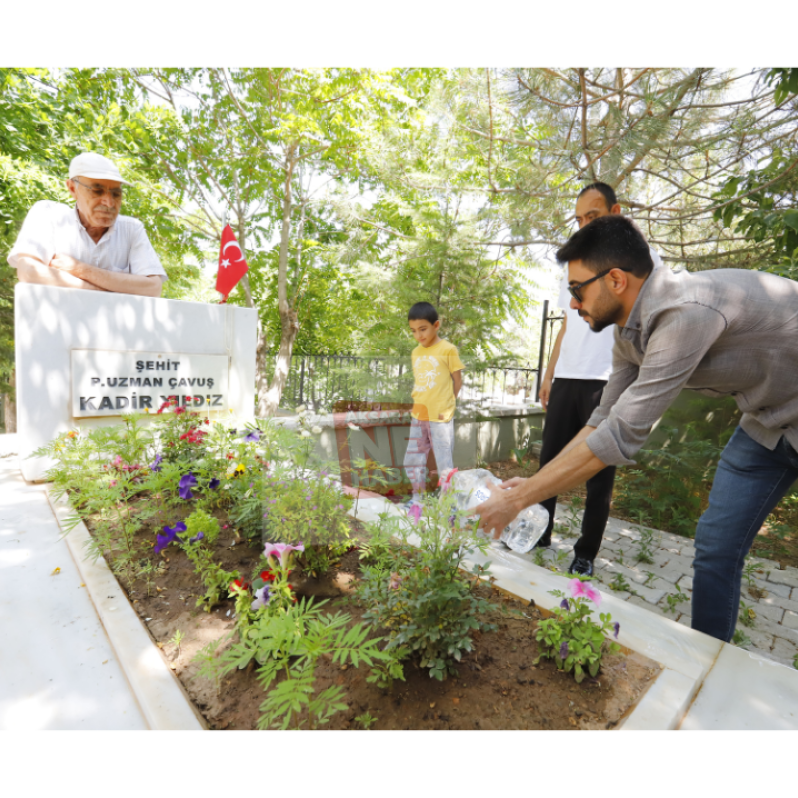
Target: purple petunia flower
(187,482)
(262,597)
(617,628)
(198,536)
(565,605)
(253,436)
(162,541)
(213,484)
(156,464)
(563,649)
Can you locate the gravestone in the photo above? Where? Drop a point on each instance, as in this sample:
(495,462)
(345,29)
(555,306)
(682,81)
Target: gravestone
(84,358)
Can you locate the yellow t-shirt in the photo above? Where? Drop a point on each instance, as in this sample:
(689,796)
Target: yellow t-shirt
(433,393)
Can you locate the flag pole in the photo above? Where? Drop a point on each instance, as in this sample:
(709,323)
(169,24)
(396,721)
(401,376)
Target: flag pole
(223,300)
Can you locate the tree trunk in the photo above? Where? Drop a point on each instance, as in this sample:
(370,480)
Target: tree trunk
(289,325)
(10,405)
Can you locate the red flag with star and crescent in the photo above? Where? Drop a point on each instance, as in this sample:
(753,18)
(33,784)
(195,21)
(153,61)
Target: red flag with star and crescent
(232,266)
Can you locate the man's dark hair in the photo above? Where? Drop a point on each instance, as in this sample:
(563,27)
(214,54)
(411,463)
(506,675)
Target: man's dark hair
(611,242)
(423,311)
(603,189)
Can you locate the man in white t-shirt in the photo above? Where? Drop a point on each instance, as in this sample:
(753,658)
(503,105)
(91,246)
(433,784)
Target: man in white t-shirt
(90,245)
(580,365)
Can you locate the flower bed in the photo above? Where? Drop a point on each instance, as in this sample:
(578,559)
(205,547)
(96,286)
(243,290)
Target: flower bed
(405,639)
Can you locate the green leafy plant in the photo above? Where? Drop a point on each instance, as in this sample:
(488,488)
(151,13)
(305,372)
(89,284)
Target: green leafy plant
(645,546)
(312,512)
(426,603)
(214,578)
(572,510)
(176,639)
(366,720)
(539,557)
(747,616)
(572,638)
(672,599)
(670,487)
(559,559)
(741,639)
(619,583)
(751,567)
(288,646)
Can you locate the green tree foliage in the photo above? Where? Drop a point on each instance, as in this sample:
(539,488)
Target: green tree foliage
(31,159)
(426,235)
(763,204)
(666,139)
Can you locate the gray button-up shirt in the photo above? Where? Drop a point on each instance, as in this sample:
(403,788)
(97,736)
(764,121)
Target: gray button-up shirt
(726,332)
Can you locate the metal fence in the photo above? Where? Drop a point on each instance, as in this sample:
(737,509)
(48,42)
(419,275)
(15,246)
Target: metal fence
(323,381)
(547,337)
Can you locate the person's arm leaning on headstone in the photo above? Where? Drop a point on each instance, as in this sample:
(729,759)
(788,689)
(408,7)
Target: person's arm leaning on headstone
(116,282)
(32,270)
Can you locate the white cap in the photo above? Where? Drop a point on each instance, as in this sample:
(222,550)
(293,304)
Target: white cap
(90,164)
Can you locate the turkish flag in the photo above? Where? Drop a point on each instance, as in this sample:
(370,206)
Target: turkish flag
(232,266)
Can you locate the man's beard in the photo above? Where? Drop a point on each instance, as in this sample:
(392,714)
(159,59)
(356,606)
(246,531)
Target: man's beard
(604,314)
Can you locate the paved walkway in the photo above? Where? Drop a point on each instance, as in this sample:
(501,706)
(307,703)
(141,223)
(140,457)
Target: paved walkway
(58,669)
(665,585)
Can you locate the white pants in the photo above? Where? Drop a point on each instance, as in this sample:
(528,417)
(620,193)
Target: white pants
(426,435)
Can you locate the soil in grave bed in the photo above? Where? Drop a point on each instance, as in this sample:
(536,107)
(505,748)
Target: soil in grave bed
(497,686)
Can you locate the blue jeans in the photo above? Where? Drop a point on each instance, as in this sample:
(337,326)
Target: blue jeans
(426,435)
(749,483)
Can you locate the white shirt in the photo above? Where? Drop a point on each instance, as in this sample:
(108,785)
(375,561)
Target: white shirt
(52,227)
(584,354)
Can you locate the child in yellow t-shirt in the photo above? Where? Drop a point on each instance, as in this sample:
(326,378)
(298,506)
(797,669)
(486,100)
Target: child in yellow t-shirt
(437,371)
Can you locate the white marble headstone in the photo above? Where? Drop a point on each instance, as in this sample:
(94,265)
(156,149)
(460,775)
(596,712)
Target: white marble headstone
(82,355)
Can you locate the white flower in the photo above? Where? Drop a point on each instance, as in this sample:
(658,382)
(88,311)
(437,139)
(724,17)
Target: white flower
(316,430)
(301,409)
(352,426)
(304,433)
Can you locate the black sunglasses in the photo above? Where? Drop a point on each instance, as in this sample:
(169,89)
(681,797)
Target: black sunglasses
(574,290)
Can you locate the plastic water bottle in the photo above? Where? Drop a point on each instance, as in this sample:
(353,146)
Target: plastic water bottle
(526,529)
(523,532)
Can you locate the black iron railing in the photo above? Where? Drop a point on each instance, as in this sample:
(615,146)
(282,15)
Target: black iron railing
(323,381)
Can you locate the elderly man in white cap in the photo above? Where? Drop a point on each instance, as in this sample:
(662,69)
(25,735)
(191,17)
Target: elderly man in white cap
(91,245)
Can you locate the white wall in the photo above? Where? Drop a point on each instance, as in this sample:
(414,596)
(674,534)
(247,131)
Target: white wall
(50,322)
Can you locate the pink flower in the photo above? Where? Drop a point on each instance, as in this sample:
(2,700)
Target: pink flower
(415,512)
(580,589)
(446,483)
(281,551)
(394,581)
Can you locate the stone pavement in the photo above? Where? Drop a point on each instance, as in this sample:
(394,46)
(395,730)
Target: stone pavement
(664,586)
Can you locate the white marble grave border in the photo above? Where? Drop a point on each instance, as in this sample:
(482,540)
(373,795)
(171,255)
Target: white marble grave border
(162,698)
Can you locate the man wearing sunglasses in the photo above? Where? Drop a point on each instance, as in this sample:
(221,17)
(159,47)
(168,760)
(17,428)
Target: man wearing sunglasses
(578,369)
(724,332)
(89,245)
